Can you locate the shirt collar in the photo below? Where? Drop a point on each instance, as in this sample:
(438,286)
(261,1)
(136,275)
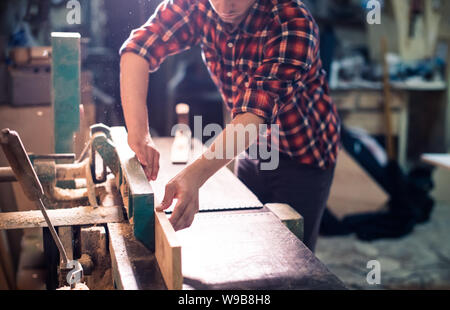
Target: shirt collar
(254,20)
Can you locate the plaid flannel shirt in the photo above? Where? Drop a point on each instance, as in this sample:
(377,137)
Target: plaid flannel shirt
(269,66)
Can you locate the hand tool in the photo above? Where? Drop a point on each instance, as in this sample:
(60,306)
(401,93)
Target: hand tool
(21,165)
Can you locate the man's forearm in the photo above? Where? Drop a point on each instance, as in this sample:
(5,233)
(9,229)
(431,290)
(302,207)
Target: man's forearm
(134,71)
(217,155)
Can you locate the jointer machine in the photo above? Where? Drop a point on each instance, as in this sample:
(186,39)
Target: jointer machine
(235,242)
(100,226)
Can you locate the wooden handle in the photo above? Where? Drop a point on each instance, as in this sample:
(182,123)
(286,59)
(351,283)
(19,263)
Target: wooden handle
(20,163)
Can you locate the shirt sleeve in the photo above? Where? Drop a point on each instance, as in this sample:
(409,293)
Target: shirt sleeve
(170,30)
(288,57)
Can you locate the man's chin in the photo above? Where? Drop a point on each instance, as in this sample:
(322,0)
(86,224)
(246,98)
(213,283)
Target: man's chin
(229,20)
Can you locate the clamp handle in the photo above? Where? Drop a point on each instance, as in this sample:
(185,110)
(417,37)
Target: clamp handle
(21,165)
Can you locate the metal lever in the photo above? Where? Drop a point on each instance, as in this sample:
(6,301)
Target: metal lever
(20,163)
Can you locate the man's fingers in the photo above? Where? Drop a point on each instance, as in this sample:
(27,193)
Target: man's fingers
(146,161)
(177,213)
(142,158)
(188,216)
(155,168)
(169,195)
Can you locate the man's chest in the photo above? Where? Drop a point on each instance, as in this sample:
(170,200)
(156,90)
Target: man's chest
(233,59)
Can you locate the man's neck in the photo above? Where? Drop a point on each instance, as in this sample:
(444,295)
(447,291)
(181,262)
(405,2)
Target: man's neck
(236,24)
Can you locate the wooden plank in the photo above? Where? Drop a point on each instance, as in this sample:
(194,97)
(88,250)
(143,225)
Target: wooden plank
(168,252)
(289,217)
(237,195)
(133,265)
(61,217)
(231,250)
(66,236)
(139,198)
(439,160)
(353,190)
(123,274)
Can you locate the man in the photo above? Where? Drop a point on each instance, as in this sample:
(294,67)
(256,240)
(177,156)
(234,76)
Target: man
(263,55)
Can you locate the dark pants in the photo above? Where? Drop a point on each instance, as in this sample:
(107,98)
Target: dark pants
(304,188)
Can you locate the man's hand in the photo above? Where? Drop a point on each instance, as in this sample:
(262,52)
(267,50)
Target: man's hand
(184,188)
(147,154)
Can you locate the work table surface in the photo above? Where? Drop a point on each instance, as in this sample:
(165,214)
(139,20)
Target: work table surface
(238,249)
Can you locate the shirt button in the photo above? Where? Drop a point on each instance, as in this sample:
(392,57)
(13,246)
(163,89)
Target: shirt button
(230,44)
(229,74)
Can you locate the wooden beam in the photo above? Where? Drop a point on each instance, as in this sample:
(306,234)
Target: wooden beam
(136,190)
(123,274)
(66,236)
(289,217)
(61,217)
(168,252)
(437,160)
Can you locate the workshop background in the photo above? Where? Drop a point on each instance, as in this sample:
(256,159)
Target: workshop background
(389,201)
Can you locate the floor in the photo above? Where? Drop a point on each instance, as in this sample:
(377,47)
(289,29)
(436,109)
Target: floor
(420,260)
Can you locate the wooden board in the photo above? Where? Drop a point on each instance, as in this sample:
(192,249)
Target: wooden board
(439,160)
(134,266)
(168,252)
(136,190)
(230,250)
(353,190)
(289,217)
(237,195)
(61,217)
(123,274)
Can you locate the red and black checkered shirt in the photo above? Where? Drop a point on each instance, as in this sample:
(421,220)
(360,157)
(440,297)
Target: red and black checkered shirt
(269,66)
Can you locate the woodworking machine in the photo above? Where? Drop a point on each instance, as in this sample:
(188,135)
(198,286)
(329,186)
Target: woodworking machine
(101,208)
(234,242)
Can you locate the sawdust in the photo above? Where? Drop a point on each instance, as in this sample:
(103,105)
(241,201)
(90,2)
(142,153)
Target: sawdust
(78,287)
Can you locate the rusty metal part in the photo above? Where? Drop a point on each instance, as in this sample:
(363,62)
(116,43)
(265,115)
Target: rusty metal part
(21,165)
(71,171)
(98,130)
(57,157)
(87,263)
(65,194)
(90,186)
(84,152)
(48,171)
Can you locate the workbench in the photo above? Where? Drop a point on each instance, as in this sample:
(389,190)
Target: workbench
(245,248)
